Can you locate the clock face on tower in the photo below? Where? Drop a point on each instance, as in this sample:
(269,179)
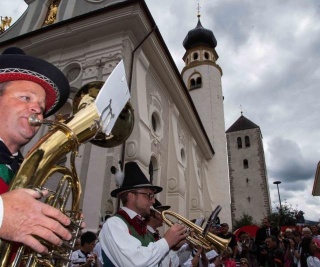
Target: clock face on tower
(73,73)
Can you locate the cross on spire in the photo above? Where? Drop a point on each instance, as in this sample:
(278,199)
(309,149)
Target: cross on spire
(198,8)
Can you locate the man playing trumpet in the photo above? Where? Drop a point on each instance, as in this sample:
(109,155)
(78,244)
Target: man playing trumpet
(124,238)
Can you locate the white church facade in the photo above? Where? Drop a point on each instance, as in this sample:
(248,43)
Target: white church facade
(179,127)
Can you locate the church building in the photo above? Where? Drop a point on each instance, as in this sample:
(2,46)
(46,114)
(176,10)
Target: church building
(178,138)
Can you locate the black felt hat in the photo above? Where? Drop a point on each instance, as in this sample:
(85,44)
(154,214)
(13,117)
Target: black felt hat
(157,205)
(134,178)
(16,65)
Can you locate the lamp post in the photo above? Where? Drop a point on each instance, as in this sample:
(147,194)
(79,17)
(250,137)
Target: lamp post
(280,211)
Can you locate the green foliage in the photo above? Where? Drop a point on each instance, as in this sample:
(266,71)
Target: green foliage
(245,219)
(285,217)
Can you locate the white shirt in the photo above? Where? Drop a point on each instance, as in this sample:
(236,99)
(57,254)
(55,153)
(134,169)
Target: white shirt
(77,258)
(313,261)
(124,249)
(97,251)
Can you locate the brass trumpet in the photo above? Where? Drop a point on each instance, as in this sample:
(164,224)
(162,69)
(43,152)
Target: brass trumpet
(197,235)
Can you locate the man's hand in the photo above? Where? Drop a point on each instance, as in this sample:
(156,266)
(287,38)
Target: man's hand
(175,234)
(26,217)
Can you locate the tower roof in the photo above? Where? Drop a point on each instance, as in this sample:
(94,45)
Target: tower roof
(199,36)
(242,124)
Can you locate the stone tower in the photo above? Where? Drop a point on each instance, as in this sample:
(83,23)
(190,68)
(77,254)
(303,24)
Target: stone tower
(247,171)
(202,76)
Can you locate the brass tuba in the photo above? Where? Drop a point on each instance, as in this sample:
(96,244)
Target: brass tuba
(197,236)
(96,117)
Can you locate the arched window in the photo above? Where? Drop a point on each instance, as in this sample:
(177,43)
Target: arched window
(247,141)
(195,81)
(192,83)
(195,56)
(206,55)
(245,164)
(239,142)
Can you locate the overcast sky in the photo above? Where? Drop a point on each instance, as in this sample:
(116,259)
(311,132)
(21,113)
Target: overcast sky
(269,51)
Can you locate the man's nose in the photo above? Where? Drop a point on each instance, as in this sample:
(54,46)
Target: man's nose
(36,108)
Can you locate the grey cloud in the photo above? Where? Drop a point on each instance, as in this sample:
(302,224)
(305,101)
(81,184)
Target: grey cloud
(287,162)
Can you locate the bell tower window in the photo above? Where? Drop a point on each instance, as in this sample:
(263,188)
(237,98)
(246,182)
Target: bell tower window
(247,141)
(239,142)
(195,81)
(195,56)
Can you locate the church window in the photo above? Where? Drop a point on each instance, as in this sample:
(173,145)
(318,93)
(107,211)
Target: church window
(245,164)
(192,83)
(195,56)
(195,82)
(206,55)
(183,155)
(153,170)
(156,123)
(239,142)
(247,141)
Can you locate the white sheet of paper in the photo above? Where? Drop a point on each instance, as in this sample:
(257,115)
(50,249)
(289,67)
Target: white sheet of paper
(115,89)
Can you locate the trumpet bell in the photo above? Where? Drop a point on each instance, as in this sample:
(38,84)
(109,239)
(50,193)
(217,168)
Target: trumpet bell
(197,236)
(123,126)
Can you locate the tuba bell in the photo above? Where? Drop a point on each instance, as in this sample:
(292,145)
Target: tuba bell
(123,125)
(95,119)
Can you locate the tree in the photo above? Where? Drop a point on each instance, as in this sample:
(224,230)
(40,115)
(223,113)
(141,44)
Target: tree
(284,217)
(245,219)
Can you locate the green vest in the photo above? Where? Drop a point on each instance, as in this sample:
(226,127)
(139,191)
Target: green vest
(6,173)
(144,239)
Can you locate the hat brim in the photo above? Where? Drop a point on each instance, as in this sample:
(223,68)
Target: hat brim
(23,67)
(164,207)
(115,193)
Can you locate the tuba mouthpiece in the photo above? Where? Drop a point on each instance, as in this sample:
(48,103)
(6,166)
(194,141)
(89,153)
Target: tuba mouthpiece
(34,121)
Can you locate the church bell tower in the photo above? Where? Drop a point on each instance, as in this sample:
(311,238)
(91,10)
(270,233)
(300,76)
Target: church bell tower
(202,76)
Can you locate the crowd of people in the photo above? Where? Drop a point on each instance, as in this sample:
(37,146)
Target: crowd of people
(268,248)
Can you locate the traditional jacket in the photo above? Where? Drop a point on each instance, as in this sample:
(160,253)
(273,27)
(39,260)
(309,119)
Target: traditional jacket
(9,165)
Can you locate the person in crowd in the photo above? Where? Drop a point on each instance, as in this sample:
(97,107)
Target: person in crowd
(262,233)
(272,256)
(200,258)
(297,247)
(215,229)
(124,238)
(248,250)
(300,221)
(244,262)
(28,86)
(315,231)
(84,257)
(77,244)
(306,232)
(288,233)
(307,257)
(226,258)
(154,222)
(224,233)
(287,245)
(97,251)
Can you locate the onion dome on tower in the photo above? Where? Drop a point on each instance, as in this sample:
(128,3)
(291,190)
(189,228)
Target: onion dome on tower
(199,36)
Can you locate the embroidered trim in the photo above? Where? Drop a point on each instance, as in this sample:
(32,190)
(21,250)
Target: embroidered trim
(46,80)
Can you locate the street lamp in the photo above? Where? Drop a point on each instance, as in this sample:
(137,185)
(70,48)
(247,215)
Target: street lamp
(280,211)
